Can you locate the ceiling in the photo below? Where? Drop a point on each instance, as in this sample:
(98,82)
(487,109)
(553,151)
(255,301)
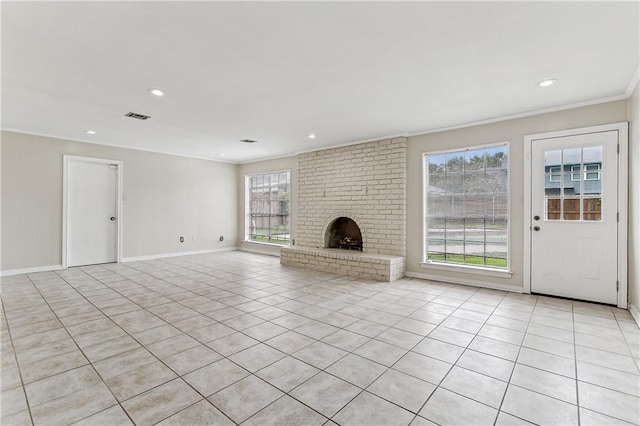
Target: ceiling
(278,71)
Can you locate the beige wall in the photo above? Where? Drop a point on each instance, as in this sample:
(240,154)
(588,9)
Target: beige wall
(634,203)
(165,197)
(512,131)
(266,166)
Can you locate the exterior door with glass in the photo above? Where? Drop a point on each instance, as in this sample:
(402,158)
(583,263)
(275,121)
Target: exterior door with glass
(574,214)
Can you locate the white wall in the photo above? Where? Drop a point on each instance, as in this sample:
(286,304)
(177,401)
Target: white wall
(634,204)
(165,197)
(266,166)
(512,131)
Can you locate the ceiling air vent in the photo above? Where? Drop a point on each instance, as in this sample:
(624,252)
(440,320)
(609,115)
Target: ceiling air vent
(248,141)
(137,116)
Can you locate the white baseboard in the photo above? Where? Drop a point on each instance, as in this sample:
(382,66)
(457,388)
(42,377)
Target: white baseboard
(634,313)
(10,272)
(472,283)
(258,248)
(182,253)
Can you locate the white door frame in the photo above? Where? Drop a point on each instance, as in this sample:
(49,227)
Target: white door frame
(623,178)
(65,200)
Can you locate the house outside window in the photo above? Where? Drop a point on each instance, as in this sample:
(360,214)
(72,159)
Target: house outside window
(577,192)
(591,172)
(267,207)
(467,207)
(555,174)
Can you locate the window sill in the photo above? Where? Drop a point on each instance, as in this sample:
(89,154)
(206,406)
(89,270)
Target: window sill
(262,243)
(477,270)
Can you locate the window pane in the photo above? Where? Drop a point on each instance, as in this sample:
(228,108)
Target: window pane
(572,156)
(474,182)
(571,209)
(552,211)
(455,183)
(467,206)
(436,164)
(475,252)
(474,160)
(436,245)
(475,231)
(592,155)
(454,230)
(454,162)
(592,209)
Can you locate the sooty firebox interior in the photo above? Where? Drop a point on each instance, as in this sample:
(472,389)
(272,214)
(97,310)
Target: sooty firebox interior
(344,233)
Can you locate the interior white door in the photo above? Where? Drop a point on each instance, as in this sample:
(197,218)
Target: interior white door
(92,205)
(574,199)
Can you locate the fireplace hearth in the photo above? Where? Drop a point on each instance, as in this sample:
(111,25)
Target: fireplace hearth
(343,233)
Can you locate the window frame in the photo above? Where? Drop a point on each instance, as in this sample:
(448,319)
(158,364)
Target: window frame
(247,210)
(503,272)
(575,171)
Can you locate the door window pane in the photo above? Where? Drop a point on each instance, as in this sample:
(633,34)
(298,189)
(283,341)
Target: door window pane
(571,208)
(552,211)
(592,209)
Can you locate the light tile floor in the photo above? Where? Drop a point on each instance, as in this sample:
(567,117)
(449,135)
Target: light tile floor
(237,338)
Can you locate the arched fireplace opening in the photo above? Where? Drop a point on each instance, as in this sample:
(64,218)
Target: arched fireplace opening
(343,233)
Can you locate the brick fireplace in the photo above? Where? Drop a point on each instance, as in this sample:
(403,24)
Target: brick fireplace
(365,183)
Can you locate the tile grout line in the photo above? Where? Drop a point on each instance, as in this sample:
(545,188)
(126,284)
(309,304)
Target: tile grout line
(178,376)
(318,289)
(453,364)
(225,357)
(22,384)
(83,354)
(575,355)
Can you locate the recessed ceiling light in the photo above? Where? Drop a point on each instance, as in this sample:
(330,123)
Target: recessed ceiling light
(311,136)
(222,154)
(156,92)
(546,83)
(90,132)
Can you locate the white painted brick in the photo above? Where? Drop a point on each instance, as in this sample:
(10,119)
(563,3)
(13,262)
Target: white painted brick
(366,182)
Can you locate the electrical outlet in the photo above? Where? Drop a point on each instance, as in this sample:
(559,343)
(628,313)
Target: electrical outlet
(182,239)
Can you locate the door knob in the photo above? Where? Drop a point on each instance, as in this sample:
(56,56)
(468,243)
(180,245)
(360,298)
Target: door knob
(536,228)
(112,218)
(536,217)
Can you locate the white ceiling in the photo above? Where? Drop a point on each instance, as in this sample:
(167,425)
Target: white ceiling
(276,72)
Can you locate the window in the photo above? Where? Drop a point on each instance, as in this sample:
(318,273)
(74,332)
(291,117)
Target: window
(268,198)
(555,174)
(592,172)
(467,206)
